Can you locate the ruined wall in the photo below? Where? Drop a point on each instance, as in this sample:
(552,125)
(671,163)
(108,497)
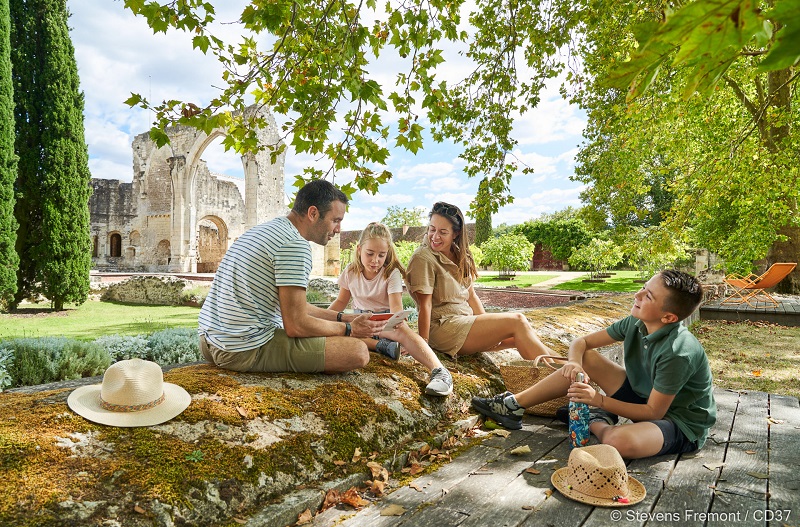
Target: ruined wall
(176,216)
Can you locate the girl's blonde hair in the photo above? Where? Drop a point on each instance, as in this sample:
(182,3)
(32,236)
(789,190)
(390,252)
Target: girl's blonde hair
(379,231)
(464,260)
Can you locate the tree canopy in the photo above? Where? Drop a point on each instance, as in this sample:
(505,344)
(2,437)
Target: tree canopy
(397,217)
(721,166)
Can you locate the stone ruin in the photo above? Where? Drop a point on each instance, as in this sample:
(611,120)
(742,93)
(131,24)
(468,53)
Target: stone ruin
(177,217)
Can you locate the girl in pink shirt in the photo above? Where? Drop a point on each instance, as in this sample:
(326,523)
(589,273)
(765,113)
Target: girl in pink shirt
(374,282)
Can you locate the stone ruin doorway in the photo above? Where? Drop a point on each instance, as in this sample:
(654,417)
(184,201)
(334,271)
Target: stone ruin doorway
(212,242)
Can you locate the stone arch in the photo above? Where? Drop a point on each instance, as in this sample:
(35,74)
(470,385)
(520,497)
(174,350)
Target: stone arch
(136,238)
(115,245)
(212,242)
(175,167)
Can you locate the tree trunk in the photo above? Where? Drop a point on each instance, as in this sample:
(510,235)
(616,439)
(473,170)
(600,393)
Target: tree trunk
(788,251)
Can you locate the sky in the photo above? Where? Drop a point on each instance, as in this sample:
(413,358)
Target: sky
(118,54)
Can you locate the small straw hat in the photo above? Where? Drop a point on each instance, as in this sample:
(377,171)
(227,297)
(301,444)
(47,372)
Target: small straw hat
(133,393)
(597,475)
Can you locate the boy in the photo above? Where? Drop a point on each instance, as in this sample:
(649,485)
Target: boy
(665,387)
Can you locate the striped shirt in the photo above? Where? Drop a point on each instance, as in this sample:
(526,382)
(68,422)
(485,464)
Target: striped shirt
(242,309)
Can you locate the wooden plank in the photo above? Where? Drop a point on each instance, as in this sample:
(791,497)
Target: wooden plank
(740,489)
(556,510)
(784,460)
(510,504)
(432,486)
(488,490)
(687,488)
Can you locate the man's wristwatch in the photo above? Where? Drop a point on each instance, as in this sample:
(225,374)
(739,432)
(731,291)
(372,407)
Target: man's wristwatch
(339,316)
(347,329)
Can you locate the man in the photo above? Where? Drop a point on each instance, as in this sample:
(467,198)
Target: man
(256,317)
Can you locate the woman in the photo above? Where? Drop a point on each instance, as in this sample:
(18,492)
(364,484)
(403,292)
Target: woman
(452,319)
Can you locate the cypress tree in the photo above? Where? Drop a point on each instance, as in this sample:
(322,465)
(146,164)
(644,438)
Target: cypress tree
(483,228)
(8,166)
(53,183)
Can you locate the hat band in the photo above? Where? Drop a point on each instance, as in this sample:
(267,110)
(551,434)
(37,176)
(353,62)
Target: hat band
(130,407)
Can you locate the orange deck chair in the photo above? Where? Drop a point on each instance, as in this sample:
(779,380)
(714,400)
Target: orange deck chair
(751,288)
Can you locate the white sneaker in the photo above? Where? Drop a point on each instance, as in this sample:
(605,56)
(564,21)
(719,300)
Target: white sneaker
(441,382)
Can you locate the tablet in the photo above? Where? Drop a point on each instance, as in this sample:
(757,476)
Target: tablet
(392,318)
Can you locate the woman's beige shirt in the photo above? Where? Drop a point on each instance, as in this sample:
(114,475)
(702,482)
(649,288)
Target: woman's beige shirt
(432,273)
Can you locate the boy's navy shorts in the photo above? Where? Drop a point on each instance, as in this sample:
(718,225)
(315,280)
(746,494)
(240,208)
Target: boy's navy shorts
(675,442)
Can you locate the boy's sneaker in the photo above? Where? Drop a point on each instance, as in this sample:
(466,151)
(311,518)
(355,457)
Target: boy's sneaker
(595,414)
(388,348)
(496,408)
(441,382)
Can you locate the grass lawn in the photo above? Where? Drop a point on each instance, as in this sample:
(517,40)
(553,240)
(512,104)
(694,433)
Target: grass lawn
(520,280)
(752,355)
(94,319)
(620,282)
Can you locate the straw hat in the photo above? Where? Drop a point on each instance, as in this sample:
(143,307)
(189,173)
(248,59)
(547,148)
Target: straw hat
(597,475)
(133,393)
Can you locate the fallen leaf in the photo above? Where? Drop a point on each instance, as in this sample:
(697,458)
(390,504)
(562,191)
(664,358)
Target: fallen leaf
(775,421)
(378,471)
(502,432)
(377,487)
(528,507)
(357,455)
(240,521)
(242,412)
(352,498)
(759,475)
(750,452)
(415,469)
(548,493)
(414,486)
(756,373)
(393,510)
(491,425)
(331,499)
(138,509)
(339,463)
(713,466)
(304,518)
(532,470)
(450,443)
(524,449)
(424,450)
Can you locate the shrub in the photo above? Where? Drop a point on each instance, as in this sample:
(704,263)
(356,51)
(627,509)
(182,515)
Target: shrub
(404,250)
(174,346)
(508,253)
(124,347)
(6,363)
(477,255)
(50,359)
(195,295)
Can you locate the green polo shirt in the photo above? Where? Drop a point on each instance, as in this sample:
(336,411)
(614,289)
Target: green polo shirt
(672,361)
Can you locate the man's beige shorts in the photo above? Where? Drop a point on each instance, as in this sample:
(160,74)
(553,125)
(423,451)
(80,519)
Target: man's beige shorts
(281,354)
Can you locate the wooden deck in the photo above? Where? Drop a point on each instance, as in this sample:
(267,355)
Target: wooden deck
(748,473)
(787,313)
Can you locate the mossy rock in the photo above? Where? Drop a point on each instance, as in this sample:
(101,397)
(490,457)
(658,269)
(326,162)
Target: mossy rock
(246,439)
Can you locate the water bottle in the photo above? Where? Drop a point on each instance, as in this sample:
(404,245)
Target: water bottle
(578,421)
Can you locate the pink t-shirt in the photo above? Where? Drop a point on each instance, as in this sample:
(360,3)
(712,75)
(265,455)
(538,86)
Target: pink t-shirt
(371,295)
